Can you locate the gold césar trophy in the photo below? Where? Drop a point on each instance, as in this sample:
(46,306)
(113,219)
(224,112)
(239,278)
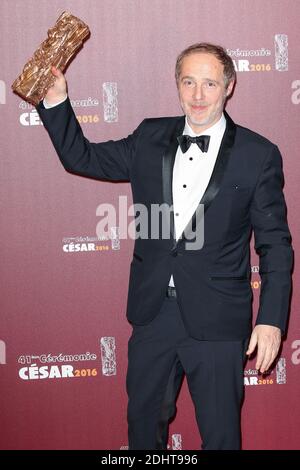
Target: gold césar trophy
(63,41)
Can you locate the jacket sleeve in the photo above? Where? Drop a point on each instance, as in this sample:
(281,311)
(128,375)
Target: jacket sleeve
(109,160)
(272,243)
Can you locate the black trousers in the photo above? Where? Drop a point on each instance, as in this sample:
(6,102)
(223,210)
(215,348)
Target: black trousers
(159,354)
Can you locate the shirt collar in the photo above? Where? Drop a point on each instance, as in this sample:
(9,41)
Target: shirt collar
(216,129)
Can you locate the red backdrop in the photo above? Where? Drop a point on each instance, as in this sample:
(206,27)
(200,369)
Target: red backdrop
(63,332)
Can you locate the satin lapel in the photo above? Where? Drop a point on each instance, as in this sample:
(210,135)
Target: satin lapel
(167,168)
(215,181)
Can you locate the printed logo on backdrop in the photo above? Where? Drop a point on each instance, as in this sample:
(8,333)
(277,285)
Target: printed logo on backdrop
(255,283)
(176,442)
(2,352)
(295,358)
(99,244)
(30,117)
(2,92)
(84,116)
(110,101)
(262,59)
(66,366)
(108,355)
(57,366)
(271,377)
(296,93)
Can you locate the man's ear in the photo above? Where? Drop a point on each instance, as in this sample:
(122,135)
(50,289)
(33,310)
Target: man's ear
(230,88)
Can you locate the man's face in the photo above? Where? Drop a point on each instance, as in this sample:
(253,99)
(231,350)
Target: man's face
(202,91)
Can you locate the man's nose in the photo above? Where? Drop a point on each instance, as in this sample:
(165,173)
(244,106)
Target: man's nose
(198,92)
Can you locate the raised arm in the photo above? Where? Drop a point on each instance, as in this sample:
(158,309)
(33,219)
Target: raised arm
(107,160)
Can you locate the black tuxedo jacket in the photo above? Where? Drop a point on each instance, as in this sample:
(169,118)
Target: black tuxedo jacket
(244,194)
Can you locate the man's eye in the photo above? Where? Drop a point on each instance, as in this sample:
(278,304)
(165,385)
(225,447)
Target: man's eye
(211,84)
(188,83)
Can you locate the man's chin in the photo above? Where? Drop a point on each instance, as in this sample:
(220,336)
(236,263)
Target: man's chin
(198,122)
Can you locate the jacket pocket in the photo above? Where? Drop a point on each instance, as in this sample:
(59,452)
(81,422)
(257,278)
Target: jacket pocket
(137,257)
(228,277)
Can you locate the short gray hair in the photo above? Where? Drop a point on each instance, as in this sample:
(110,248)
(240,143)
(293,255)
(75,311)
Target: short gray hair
(205,47)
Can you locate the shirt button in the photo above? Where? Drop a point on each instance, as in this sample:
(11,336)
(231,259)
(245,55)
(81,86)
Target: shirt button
(191,158)
(184,185)
(177,214)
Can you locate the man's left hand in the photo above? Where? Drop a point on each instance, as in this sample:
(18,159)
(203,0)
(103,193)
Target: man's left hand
(267,338)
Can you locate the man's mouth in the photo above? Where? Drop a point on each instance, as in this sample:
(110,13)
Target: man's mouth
(198,107)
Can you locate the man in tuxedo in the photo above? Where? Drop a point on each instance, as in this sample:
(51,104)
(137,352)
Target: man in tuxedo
(190,303)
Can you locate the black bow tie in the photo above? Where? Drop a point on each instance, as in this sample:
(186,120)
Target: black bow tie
(186,140)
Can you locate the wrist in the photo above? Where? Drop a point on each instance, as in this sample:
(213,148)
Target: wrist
(50,103)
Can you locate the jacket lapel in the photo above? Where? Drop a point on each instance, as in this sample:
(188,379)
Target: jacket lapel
(215,181)
(167,168)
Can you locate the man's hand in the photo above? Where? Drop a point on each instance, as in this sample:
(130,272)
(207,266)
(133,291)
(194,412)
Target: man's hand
(58,91)
(267,338)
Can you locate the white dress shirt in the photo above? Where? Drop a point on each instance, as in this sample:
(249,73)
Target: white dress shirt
(191,174)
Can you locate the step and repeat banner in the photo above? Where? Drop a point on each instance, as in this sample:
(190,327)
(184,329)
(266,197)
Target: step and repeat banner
(63,331)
